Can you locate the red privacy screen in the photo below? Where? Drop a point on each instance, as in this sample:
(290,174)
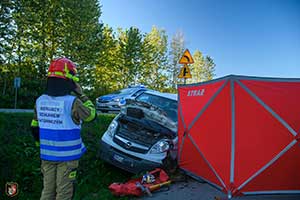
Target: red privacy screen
(240,134)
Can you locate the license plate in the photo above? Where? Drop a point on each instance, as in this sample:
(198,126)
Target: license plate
(118,158)
(102,104)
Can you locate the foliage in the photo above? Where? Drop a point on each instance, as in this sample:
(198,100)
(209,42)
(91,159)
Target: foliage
(6,29)
(107,64)
(33,32)
(19,156)
(129,52)
(177,49)
(19,159)
(209,68)
(154,71)
(39,31)
(202,69)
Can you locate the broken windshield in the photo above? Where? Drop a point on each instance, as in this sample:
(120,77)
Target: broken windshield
(165,104)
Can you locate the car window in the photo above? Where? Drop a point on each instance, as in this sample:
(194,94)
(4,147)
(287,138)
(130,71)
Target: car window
(168,105)
(138,92)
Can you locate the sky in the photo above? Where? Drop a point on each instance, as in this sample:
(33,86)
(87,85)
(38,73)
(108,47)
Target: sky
(244,37)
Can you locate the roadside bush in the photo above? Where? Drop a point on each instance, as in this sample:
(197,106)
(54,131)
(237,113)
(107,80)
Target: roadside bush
(19,160)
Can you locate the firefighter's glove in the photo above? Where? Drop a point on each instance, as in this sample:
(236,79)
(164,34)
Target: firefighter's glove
(78,90)
(35,131)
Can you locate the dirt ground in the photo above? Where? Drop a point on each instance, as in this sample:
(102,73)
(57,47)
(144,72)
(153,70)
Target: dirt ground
(191,189)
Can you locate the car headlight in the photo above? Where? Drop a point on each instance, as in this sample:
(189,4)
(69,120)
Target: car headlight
(116,100)
(160,147)
(112,128)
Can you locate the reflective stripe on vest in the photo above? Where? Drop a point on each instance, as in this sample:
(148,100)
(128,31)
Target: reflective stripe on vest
(60,138)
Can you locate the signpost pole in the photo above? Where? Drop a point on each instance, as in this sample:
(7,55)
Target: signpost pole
(16,96)
(17,84)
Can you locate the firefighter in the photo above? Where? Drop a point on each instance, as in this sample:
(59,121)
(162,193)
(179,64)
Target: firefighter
(59,113)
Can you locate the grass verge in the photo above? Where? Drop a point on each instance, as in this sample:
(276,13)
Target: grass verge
(20,162)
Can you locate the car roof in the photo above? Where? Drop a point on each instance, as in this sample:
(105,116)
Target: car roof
(136,86)
(166,95)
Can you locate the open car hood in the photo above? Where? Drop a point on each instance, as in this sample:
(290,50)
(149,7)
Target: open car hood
(138,109)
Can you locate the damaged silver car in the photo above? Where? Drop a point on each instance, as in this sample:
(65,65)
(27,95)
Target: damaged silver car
(143,135)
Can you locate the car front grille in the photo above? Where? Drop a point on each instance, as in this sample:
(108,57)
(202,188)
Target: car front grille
(103,101)
(103,107)
(129,147)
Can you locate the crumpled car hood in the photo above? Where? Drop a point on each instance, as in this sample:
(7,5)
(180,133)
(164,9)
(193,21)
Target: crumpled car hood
(149,112)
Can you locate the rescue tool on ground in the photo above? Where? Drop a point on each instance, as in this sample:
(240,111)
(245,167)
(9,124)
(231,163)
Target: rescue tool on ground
(136,187)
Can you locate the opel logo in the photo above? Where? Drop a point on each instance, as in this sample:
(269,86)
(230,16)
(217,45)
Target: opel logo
(128,145)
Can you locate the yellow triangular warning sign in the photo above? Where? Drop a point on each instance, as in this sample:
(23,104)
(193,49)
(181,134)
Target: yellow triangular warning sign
(185,72)
(186,58)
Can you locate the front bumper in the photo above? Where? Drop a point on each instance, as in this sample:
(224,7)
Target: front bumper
(112,106)
(125,161)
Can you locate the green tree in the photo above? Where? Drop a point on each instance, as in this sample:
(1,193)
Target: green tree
(154,67)
(209,68)
(37,31)
(6,29)
(197,68)
(82,36)
(19,57)
(106,71)
(6,35)
(61,28)
(129,54)
(177,49)
(202,69)
(33,32)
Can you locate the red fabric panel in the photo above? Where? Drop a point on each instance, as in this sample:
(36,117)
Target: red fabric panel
(259,136)
(212,133)
(282,175)
(194,98)
(282,97)
(180,126)
(192,161)
(180,132)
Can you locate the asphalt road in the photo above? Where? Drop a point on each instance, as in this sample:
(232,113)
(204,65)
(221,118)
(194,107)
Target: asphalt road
(194,190)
